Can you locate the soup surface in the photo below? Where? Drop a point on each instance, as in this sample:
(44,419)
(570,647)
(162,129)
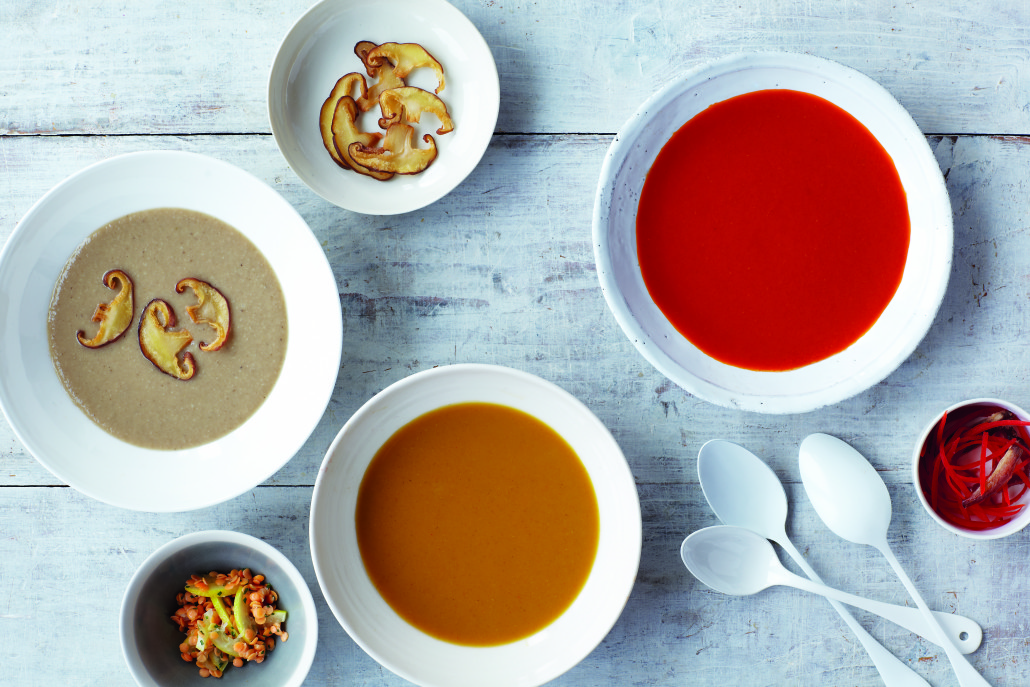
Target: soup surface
(477,523)
(119,388)
(772,230)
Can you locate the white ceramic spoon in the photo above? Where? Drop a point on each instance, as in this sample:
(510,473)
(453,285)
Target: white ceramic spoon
(743,491)
(736,561)
(853,501)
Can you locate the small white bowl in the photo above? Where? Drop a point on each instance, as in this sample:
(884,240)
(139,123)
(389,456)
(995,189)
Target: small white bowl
(60,435)
(150,640)
(319,49)
(378,629)
(899,329)
(1012,526)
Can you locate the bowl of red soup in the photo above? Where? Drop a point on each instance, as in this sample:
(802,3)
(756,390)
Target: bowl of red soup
(474,525)
(772,232)
(971,467)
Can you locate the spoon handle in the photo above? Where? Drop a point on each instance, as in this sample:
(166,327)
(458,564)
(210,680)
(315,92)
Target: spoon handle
(965,672)
(893,672)
(912,619)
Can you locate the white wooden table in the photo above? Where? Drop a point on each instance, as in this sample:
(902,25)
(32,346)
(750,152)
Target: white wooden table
(502,271)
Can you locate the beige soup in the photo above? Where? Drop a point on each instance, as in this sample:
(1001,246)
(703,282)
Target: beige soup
(477,523)
(115,385)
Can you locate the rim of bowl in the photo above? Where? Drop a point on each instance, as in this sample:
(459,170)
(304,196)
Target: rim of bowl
(875,370)
(150,565)
(1012,526)
(633,527)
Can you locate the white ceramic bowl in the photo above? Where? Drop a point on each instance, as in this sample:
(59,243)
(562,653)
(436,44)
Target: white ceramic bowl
(1012,526)
(319,49)
(37,406)
(150,640)
(382,633)
(899,329)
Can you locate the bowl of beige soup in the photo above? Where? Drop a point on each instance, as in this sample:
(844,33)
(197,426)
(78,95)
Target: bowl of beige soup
(475,525)
(171,320)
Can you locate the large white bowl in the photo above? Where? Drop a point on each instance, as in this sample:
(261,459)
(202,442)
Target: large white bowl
(319,49)
(907,317)
(374,625)
(60,436)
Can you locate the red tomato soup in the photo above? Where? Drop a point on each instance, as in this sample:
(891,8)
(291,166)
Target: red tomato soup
(772,230)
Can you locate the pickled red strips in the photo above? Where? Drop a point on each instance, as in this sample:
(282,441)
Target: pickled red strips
(974,468)
(114,317)
(1001,475)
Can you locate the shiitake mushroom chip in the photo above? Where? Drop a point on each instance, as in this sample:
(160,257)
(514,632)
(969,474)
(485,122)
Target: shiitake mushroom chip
(161,345)
(343,87)
(346,133)
(411,102)
(114,317)
(396,155)
(405,58)
(372,153)
(211,308)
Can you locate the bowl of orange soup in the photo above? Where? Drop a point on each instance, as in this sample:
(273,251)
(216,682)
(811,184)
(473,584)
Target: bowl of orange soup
(772,232)
(475,524)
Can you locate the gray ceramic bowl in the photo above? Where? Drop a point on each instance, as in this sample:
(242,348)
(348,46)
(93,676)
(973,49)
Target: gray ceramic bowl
(150,640)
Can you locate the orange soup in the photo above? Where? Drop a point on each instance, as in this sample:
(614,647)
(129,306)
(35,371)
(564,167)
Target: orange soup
(477,523)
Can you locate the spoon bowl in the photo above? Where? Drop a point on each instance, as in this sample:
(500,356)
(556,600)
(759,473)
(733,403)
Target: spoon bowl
(742,490)
(731,560)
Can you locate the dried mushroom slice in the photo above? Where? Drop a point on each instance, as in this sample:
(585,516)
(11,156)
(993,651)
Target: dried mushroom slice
(405,58)
(346,133)
(361,49)
(383,71)
(162,347)
(410,102)
(212,309)
(344,86)
(396,154)
(114,317)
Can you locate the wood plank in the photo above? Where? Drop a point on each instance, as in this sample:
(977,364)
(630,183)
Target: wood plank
(125,68)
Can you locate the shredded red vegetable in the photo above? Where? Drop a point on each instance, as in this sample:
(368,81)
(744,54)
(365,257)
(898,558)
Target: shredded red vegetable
(958,458)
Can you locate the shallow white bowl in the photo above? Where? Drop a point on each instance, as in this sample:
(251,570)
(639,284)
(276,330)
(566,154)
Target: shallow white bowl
(1012,526)
(899,329)
(319,49)
(375,626)
(150,639)
(37,406)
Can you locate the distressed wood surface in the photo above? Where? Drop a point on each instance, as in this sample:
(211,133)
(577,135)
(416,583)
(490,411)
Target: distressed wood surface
(502,271)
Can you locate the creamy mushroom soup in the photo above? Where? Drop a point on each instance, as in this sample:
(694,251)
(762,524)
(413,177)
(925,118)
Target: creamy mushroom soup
(114,383)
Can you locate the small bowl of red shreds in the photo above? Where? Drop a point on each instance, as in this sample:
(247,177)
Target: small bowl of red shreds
(972,468)
(218,604)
